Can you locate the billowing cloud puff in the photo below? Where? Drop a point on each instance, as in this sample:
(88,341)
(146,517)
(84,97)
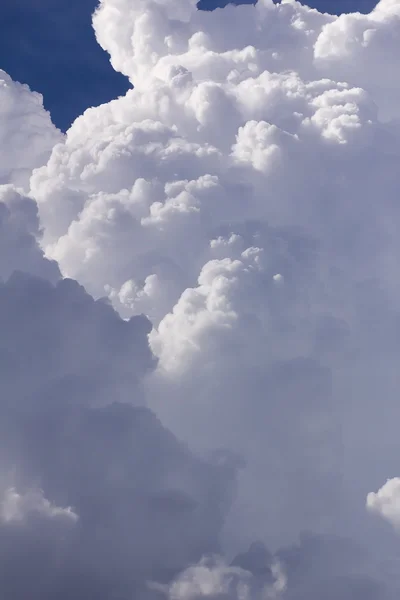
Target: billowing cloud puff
(386,501)
(215,579)
(16,508)
(27,134)
(159,191)
(364,48)
(225,125)
(27,137)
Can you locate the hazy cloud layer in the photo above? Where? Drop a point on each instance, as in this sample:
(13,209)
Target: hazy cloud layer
(96,495)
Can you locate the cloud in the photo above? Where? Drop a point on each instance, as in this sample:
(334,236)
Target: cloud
(245,151)
(36,537)
(244,197)
(61,339)
(319,566)
(221,131)
(214,579)
(20,231)
(27,133)
(16,508)
(385,502)
(369,42)
(96,495)
(142,505)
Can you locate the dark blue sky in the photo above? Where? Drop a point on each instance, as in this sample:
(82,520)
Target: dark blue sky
(50,45)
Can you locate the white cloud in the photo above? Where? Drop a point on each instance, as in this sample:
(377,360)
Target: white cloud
(27,134)
(364,49)
(245,150)
(214,579)
(243,196)
(15,507)
(386,501)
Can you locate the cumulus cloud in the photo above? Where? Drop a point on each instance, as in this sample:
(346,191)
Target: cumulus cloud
(16,508)
(215,579)
(19,234)
(221,128)
(386,501)
(243,196)
(363,48)
(317,567)
(27,135)
(96,495)
(122,499)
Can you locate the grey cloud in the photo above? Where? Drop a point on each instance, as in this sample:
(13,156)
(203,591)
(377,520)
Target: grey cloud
(19,233)
(74,426)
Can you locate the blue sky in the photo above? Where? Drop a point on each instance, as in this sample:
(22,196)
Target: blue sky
(57,53)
